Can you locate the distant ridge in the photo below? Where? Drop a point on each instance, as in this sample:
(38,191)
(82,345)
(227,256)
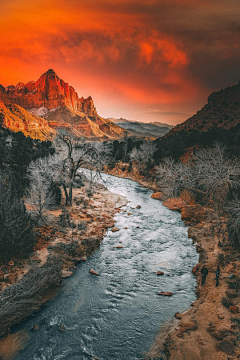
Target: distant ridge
(143,129)
(222,111)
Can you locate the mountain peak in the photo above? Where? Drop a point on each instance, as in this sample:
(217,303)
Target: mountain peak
(50,72)
(55,100)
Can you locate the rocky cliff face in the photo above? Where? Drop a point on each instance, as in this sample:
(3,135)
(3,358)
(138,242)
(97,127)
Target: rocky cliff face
(221,111)
(50,92)
(55,100)
(15,118)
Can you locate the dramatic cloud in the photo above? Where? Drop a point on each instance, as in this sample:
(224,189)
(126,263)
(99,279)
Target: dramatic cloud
(131,56)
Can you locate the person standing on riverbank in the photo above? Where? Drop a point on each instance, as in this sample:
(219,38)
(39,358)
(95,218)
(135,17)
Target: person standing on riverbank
(204,272)
(217,272)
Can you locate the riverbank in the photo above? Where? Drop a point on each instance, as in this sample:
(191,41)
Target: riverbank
(68,236)
(210,329)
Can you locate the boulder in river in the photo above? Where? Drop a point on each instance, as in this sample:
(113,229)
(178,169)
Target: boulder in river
(114,229)
(138,207)
(93,272)
(160,273)
(165,293)
(119,247)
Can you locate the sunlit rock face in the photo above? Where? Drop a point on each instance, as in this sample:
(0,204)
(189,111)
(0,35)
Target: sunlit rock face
(55,100)
(15,118)
(48,91)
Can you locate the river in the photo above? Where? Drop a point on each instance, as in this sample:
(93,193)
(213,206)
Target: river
(118,314)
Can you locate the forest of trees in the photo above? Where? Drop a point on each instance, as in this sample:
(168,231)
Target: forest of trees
(44,174)
(41,173)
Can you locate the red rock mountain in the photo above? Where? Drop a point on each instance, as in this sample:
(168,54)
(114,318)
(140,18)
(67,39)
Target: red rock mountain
(221,111)
(53,99)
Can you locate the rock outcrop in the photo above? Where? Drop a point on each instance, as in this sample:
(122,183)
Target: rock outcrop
(55,100)
(15,118)
(221,111)
(48,92)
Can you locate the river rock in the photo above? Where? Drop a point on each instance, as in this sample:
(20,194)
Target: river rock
(174,203)
(62,327)
(119,247)
(66,274)
(226,346)
(160,273)
(114,229)
(138,207)
(234,309)
(84,258)
(188,326)
(157,195)
(178,315)
(165,293)
(195,268)
(93,272)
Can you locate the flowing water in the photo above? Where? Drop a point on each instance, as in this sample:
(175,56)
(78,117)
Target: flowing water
(117,315)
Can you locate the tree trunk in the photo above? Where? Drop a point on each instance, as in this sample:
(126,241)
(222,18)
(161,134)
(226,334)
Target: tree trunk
(67,200)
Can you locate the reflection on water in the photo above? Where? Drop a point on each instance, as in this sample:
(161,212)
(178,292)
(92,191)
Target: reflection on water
(117,314)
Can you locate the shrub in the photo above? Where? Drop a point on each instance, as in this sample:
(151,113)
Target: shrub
(227,302)
(234,284)
(72,249)
(22,299)
(64,218)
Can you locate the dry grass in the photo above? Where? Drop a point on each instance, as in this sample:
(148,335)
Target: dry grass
(22,299)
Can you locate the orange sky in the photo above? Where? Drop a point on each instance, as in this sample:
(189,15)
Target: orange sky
(143,60)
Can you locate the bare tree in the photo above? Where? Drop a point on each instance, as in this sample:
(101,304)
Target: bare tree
(73,154)
(212,172)
(233,210)
(144,155)
(39,195)
(173,177)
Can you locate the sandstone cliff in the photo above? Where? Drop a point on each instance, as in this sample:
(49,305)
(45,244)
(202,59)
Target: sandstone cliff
(15,118)
(55,100)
